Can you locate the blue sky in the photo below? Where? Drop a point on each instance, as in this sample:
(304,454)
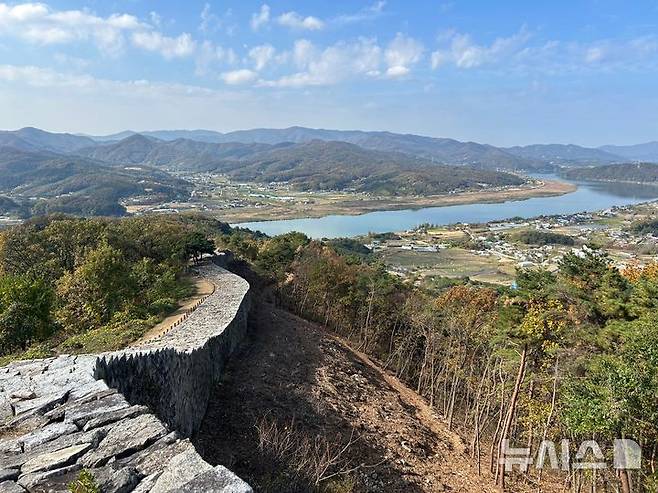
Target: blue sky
(505,73)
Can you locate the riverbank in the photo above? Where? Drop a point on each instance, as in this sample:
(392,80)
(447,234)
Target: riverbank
(363,205)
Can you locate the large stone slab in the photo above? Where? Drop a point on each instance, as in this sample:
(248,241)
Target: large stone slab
(50,481)
(87,411)
(46,434)
(113,479)
(39,405)
(147,483)
(152,459)
(93,436)
(54,460)
(110,416)
(180,470)
(10,487)
(217,480)
(125,438)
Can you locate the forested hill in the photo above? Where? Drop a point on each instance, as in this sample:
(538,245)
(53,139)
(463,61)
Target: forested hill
(320,165)
(52,182)
(564,154)
(315,165)
(34,139)
(10,206)
(629,172)
(182,154)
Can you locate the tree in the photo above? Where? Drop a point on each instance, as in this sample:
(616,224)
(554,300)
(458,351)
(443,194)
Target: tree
(197,244)
(25,306)
(616,397)
(95,290)
(538,336)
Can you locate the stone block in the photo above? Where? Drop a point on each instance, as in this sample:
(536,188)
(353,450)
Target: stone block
(180,470)
(54,460)
(55,480)
(217,480)
(112,416)
(46,434)
(11,487)
(125,438)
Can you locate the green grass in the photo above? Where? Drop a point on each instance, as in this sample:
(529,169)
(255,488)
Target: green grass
(109,338)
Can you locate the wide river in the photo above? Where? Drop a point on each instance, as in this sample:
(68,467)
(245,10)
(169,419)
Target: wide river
(588,197)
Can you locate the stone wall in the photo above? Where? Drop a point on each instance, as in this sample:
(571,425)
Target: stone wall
(173,375)
(125,415)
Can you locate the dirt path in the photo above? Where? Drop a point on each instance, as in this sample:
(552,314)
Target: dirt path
(293,373)
(424,412)
(203,289)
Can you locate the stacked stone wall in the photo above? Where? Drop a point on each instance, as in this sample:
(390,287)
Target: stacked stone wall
(125,415)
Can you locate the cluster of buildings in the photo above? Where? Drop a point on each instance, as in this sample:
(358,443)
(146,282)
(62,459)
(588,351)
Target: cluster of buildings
(496,245)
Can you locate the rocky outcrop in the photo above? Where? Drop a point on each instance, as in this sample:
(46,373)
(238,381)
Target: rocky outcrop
(123,416)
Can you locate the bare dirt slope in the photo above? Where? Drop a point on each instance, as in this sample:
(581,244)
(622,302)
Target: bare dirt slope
(297,378)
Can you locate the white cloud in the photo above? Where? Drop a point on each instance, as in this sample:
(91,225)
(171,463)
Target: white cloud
(39,24)
(464,53)
(303,52)
(295,21)
(76,85)
(211,22)
(238,77)
(402,53)
(260,18)
(208,19)
(178,47)
(594,54)
(156,19)
(71,62)
(262,55)
(550,57)
(331,65)
(372,12)
(208,54)
(42,77)
(397,71)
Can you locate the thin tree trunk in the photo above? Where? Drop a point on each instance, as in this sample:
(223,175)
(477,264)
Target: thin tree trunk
(624,481)
(549,418)
(500,421)
(509,417)
(477,436)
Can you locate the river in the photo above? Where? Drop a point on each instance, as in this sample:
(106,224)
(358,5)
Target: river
(590,196)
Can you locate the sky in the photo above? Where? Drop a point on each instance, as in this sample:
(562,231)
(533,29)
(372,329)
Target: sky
(501,72)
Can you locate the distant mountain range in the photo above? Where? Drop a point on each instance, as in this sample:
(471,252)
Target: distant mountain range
(33,139)
(95,172)
(441,151)
(445,151)
(182,154)
(639,152)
